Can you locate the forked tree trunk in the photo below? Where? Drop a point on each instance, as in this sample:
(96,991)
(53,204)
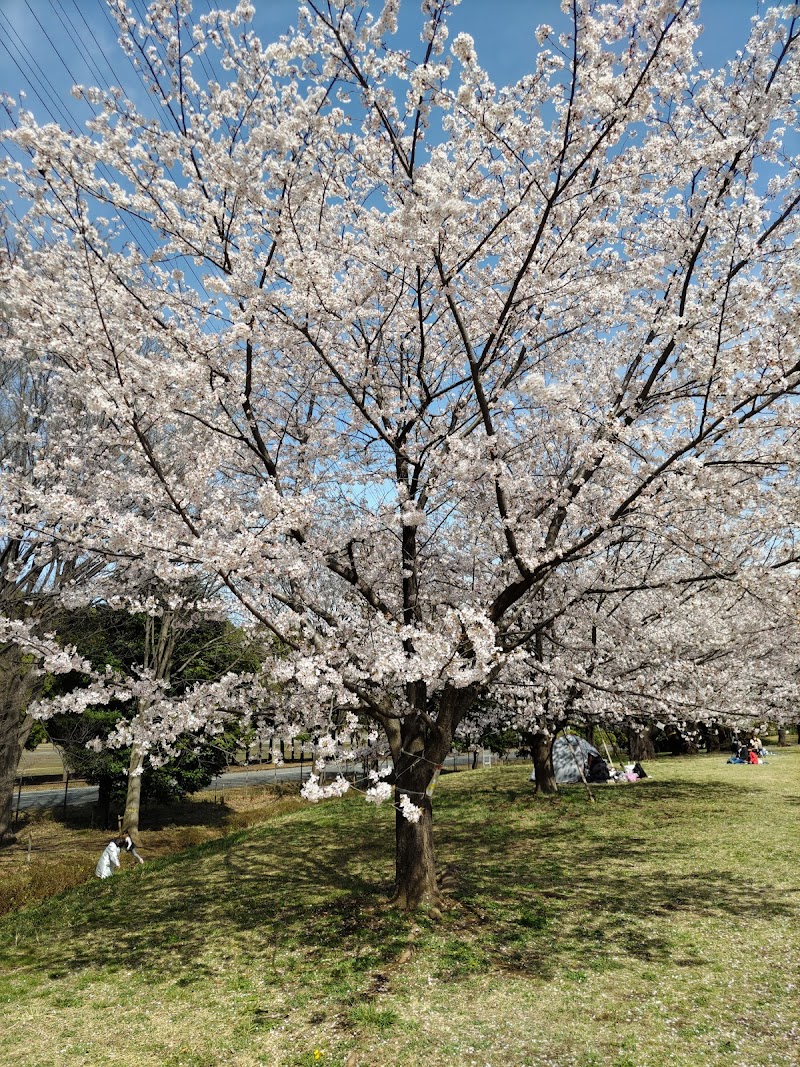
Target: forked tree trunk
(419,745)
(713,743)
(542,750)
(709,734)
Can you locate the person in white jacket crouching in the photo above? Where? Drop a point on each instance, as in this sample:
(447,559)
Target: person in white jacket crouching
(108,860)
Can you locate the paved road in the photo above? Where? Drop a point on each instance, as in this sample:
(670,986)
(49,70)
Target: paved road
(87,794)
(52,798)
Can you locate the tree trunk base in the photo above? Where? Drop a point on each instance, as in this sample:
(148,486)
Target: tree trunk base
(415,868)
(541,750)
(431,905)
(641,744)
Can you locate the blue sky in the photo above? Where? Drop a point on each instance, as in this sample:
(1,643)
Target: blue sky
(46,44)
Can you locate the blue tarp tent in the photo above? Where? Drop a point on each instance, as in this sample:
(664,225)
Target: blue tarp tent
(564,765)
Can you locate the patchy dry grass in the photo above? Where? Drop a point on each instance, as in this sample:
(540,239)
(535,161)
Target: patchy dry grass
(656,927)
(53,853)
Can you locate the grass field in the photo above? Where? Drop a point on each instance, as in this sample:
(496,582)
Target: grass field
(657,926)
(42,760)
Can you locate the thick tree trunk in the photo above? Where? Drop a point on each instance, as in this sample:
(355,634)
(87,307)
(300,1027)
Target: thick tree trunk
(419,745)
(542,751)
(641,744)
(14,732)
(782,742)
(415,861)
(710,736)
(17,685)
(133,800)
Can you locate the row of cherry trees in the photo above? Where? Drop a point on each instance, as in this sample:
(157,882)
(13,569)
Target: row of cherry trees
(469,395)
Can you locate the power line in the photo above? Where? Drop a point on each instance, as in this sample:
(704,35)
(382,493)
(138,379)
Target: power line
(45,92)
(41,78)
(92,34)
(103,7)
(144,235)
(157,83)
(22,71)
(73,79)
(75,37)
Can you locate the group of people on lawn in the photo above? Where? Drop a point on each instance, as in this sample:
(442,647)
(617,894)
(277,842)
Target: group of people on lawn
(597,770)
(751,751)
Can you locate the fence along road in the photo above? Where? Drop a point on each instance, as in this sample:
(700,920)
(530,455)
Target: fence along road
(35,798)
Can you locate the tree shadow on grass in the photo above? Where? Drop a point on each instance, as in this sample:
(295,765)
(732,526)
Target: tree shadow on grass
(289,887)
(550,886)
(576,885)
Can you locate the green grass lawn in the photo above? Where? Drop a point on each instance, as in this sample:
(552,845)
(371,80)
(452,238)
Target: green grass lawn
(657,926)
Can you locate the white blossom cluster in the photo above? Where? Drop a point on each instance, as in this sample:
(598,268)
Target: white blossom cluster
(313,791)
(410,811)
(376,794)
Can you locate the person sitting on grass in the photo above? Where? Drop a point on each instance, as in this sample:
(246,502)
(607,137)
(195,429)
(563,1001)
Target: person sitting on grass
(741,751)
(757,746)
(597,769)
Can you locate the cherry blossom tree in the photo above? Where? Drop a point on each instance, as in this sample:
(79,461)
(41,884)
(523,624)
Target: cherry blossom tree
(717,648)
(175,645)
(44,575)
(406,354)
(34,570)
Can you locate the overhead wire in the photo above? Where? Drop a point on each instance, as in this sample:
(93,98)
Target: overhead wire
(73,79)
(26,69)
(72,31)
(188,262)
(62,115)
(132,221)
(36,81)
(138,7)
(101,50)
(48,96)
